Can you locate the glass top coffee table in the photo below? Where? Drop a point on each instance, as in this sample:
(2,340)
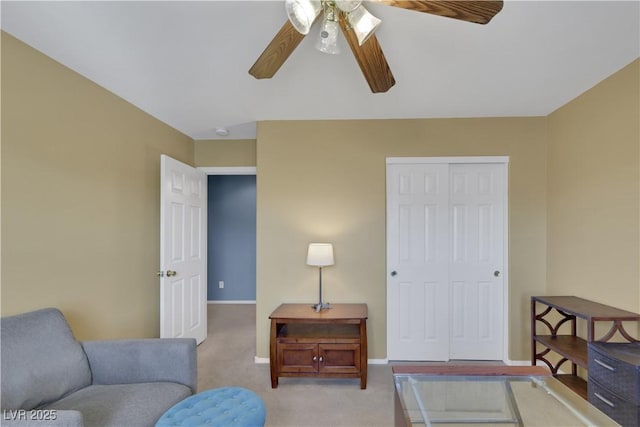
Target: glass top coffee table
(488,395)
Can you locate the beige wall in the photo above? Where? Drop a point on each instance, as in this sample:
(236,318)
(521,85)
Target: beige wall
(321,180)
(80,198)
(225,153)
(593,193)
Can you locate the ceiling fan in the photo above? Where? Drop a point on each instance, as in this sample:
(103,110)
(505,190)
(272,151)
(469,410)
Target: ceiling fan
(358,27)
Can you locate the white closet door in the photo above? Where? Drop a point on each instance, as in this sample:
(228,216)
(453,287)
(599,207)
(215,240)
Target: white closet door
(445,255)
(476,200)
(418,262)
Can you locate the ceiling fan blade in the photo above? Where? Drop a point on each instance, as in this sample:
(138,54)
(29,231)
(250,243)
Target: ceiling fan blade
(371,60)
(480,11)
(277,52)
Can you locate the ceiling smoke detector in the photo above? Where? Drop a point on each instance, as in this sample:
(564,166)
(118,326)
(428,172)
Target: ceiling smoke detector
(222,131)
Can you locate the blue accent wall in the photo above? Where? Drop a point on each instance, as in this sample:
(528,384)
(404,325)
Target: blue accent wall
(231,240)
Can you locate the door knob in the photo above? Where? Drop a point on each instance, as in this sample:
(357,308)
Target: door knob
(169,273)
(496,273)
(394,273)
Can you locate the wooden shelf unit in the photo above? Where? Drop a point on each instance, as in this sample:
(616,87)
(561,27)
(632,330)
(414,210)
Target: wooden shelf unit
(571,347)
(331,343)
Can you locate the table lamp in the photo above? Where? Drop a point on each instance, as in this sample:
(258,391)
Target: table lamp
(320,255)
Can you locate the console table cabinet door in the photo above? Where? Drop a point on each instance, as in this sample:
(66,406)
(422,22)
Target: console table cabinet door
(298,358)
(339,358)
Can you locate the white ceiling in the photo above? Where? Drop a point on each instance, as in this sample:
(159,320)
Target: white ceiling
(186,63)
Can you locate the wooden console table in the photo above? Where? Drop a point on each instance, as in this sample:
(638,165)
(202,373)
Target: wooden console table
(571,347)
(328,344)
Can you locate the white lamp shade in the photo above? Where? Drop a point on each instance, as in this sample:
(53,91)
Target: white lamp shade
(320,254)
(363,23)
(348,5)
(302,13)
(328,37)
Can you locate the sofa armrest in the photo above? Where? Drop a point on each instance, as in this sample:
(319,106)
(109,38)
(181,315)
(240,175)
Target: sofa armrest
(41,418)
(143,360)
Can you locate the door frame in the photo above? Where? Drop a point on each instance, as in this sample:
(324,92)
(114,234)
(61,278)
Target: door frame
(229,170)
(459,160)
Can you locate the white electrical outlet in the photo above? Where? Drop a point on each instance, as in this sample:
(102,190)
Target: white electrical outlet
(221,284)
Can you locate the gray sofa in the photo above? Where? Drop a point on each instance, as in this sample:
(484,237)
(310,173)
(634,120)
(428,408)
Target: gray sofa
(50,379)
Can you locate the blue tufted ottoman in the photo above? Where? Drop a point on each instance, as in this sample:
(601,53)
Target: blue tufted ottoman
(224,407)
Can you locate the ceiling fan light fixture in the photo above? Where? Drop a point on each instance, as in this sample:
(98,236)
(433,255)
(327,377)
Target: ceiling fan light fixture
(364,24)
(302,13)
(328,37)
(348,5)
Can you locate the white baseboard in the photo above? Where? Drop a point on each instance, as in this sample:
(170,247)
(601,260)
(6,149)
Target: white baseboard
(231,302)
(518,362)
(265,360)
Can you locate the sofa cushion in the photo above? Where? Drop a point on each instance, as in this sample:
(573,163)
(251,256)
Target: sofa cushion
(118,405)
(41,360)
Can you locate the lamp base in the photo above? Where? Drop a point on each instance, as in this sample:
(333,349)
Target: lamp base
(321,306)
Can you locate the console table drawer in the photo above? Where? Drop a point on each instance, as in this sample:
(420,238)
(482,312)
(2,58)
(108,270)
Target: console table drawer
(622,411)
(614,366)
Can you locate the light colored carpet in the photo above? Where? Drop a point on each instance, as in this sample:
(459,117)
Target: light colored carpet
(226,358)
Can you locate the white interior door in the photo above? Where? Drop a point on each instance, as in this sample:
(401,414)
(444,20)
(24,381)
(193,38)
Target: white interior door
(183,231)
(446,225)
(476,205)
(418,262)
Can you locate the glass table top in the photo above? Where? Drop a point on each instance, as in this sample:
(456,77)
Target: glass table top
(469,400)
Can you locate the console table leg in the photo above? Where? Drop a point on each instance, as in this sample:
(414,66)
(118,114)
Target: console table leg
(364,355)
(273,355)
